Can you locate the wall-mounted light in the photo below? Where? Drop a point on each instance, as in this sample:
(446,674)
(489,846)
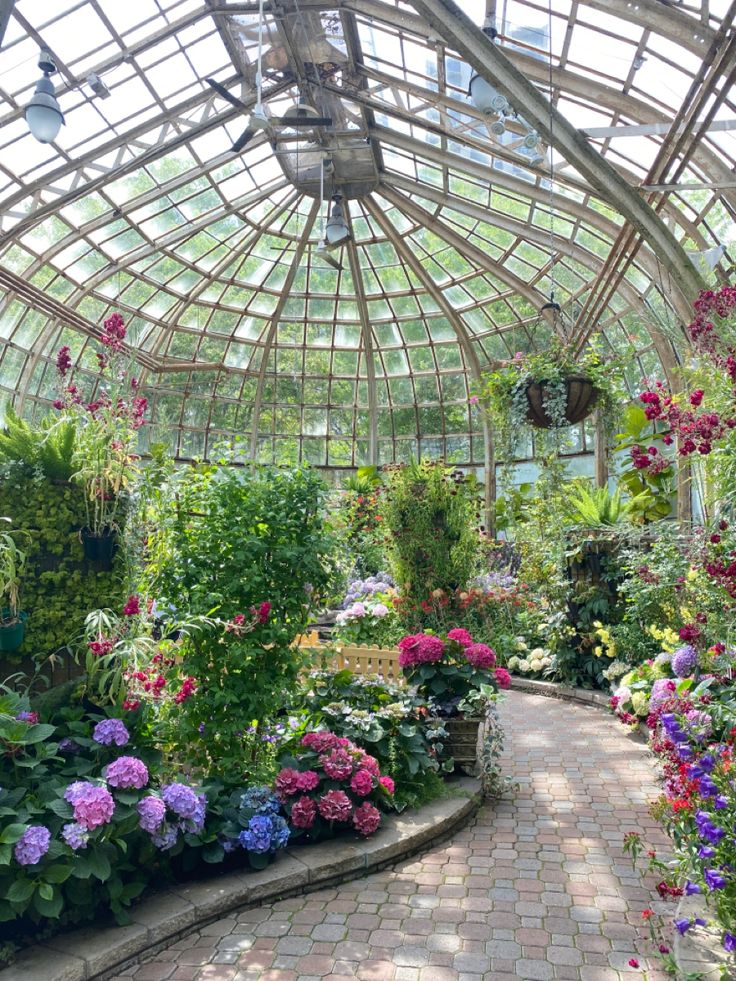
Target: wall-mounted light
(43,115)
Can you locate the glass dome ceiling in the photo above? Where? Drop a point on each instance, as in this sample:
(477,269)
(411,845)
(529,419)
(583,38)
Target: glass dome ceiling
(240,321)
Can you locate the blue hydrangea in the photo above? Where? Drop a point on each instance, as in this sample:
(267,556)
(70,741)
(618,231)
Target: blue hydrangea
(166,837)
(261,800)
(257,836)
(265,833)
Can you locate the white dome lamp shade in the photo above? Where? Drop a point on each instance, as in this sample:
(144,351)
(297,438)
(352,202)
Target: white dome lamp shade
(336,230)
(43,115)
(486,97)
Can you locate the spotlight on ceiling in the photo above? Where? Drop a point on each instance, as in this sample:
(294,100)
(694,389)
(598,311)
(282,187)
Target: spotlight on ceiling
(531,139)
(498,128)
(486,97)
(536,158)
(43,115)
(336,230)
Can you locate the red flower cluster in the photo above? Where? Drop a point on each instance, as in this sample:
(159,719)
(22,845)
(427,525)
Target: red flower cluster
(113,333)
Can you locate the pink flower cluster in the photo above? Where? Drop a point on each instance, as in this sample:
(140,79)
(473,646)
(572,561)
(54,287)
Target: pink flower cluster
(126,773)
(480,656)
(113,332)
(420,649)
(93,805)
(333,759)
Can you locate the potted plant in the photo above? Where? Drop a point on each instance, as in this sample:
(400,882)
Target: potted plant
(106,438)
(449,672)
(12,618)
(548,389)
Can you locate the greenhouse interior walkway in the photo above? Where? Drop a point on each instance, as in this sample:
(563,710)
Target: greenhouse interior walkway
(538,887)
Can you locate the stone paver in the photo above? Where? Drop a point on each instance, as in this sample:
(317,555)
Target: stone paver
(538,887)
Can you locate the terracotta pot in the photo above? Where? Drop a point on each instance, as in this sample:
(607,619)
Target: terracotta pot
(582,396)
(462,741)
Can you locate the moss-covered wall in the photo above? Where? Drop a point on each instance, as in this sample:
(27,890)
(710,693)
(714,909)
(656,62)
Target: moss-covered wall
(59,586)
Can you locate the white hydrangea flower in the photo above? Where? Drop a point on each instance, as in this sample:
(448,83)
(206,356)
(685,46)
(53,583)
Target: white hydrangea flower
(523,665)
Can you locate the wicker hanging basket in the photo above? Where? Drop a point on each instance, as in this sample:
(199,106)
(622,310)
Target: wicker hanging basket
(582,396)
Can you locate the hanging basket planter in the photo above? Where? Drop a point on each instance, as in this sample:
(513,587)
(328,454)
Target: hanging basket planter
(12,630)
(581,398)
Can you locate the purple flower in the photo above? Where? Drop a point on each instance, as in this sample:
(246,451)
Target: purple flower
(682,926)
(729,941)
(165,838)
(720,802)
(684,661)
(705,851)
(111,731)
(152,811)
(127,772)
(692,889)
(714,880)
(32,845)
(184,802)
(67,745)
(75,836)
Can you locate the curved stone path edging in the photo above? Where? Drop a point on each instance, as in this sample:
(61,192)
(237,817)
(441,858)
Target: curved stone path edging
(164,917)
(536,888)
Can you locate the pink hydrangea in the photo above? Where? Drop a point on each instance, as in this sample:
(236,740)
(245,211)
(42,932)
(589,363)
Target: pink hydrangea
(127,772)
(388,785)
(503,678)
(480,656)
(287,782)
(335,806)
(303,812)
(460,635)
(307,780)
(319,742)
(362,783)
(369,763)
(93,805)
(420,649)
(338,765)
(366,819)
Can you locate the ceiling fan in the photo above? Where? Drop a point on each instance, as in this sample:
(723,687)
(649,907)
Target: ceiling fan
(300,115)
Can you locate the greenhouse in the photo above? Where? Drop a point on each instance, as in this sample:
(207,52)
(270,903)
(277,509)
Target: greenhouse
(367,543)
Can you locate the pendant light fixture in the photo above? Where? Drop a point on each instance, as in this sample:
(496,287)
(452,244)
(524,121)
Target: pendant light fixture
(43,115)
(336,230)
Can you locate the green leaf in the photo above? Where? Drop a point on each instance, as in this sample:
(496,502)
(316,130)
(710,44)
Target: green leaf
(57,873)
(37,734)
(20,891)
(46,891)
(12,833)
(50,908)
(99,865)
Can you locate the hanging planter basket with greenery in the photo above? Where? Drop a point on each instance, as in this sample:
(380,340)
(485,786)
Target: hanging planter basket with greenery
(580,397)
(12,630)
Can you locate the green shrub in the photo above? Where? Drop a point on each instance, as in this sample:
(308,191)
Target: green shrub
(431,516)
(250,546)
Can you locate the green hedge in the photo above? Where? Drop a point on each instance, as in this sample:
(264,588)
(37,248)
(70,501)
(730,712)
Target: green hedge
(59,587)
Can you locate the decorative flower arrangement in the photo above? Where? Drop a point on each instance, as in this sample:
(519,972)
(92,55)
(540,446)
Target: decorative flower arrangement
(332,786)
(447,670)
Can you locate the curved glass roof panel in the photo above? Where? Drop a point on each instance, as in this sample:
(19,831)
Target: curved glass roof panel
(242,318)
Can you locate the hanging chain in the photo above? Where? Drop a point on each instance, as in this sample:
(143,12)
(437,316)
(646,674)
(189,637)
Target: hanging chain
(551,161)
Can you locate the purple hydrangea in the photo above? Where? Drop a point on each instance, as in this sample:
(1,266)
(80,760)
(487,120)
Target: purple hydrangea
(684,661)
(127,772)
(182,800)
(75,836)
(662,690)
(67,745)
(152,811)
(366,588)
(32,845)
(166,837)
(111,731)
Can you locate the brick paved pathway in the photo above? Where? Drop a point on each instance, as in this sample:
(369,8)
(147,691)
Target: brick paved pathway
(536,888)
